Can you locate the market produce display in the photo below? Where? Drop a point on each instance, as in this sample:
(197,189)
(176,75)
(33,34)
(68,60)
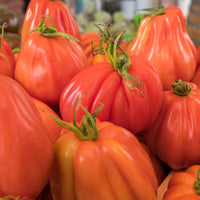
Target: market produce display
(104,109)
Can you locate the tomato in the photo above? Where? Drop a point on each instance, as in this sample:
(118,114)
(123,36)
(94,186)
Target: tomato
(90,43)
(99,58)
(181,185)
(164,41)
(134,108)
(105,162)
(174,137)
(62,18)
(7,59)
(26,151)
(158,165)
(45,112)
(45,64)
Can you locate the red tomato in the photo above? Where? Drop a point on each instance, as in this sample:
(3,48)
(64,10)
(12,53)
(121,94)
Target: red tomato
(90,43)
(181,185)
(46,64)
(158,165)
(175,135)
(7,59)
(26,150)
(112,166)
(164,41)
(61,16)
(102,84)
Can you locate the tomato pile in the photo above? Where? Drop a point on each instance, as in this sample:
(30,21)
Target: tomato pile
(95,117)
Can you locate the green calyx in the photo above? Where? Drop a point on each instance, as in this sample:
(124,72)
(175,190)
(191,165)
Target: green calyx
(118,58)
(87,129)
(181,88)
(16,50)
(51,31)
(196,184)
(160,10)
(139,14)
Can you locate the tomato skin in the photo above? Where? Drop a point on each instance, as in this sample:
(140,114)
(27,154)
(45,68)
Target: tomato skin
(61,16)
(164,41)
(97,169)
(45,112)
(7,59)
(45,65)
(26,150)
(174,137)
(158,165)
(180,185)
(122,106)
(90,43)
(99,58)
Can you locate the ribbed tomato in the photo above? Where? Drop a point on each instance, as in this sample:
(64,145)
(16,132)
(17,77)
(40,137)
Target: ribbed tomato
(133,104)
(47,61)
(175,135)
(162,38)
(26,151)
(184,185)
(100,160)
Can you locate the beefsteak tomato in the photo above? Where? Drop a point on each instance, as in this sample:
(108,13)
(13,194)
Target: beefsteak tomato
(175,135)
(26,151)
(47,61)
(62,18)
(184,185)
(132,103)
(100,160)
(162,38)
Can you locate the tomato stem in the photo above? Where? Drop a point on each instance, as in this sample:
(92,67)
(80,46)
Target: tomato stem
(181,88)
(88,129)
(119,61)
(197,183)
(51,31)
(153,12)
